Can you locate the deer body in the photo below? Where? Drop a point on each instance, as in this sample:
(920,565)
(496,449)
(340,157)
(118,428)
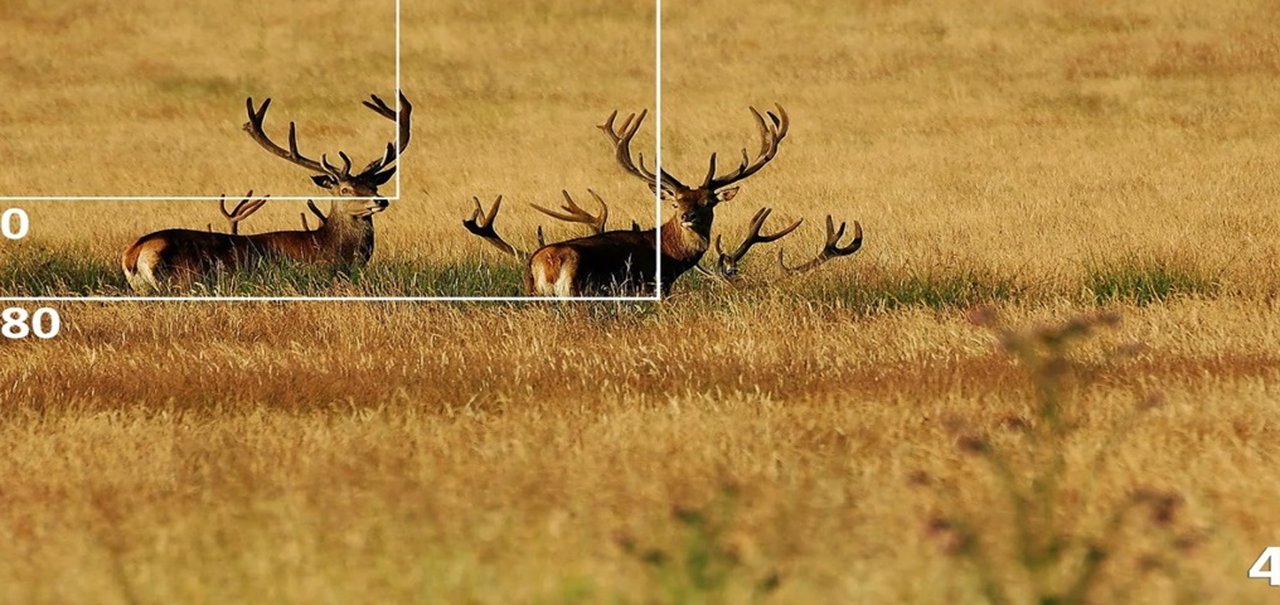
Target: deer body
(614,262)
(592,265)
(183,256)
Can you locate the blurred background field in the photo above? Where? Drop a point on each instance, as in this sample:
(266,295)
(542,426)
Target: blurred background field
(799,441)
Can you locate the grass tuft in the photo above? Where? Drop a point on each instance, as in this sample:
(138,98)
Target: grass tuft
(28,270)
(1146,281)
(933,288)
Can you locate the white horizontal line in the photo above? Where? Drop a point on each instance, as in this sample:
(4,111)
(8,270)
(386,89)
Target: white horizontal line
(520,299)
(394,198)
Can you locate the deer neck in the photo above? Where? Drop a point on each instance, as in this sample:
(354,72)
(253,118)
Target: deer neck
(685,245)
(349,238)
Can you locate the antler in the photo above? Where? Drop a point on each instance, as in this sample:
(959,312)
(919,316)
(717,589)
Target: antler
(571,212)
(621,138)
(393,149)
(242,210)
(257,116)
(481,224)
(378,167)
(831,249)
(727,264)
(311,205)
(771,134)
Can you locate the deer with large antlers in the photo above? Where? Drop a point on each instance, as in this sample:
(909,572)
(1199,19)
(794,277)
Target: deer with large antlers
(626,261)
(344,238)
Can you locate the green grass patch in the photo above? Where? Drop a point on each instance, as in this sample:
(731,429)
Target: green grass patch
(1146,281)
(933,288)
(27,270)
(392,277)
(39,271)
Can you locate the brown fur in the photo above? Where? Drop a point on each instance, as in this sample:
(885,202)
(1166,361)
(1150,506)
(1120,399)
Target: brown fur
(179,257)
(614,263)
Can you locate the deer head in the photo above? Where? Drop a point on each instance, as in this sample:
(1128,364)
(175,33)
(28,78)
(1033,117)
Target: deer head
(694,207)
(341,181)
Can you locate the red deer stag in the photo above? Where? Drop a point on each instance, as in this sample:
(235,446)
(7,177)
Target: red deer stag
(344,238)
(625,262)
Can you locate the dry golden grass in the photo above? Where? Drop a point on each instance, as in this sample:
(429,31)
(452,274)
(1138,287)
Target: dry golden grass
(344,452)
(1026,154)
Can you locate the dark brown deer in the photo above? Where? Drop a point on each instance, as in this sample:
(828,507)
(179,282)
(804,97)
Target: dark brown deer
(625,262)
(343,240)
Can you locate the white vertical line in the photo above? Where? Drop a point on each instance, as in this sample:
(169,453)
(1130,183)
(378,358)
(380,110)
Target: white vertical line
(396,92)
(657,152)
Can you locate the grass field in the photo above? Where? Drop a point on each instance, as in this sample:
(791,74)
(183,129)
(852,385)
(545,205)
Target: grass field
(850,436)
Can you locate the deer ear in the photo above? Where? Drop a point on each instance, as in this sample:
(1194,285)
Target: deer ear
(324,181)
(726,195)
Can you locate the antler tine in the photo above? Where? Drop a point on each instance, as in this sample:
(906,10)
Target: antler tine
(772,132)
(571,212)
(257,118)
(346,163)
(854,245)
(241,211)
(621,139)
(380,107)
(604,211)
(222,206)
(343,173)
(755,237)
(252,207)
(378,163)
(493,212)
(608,128)
(404,120)
(481,225)
(831,248)
(311,205)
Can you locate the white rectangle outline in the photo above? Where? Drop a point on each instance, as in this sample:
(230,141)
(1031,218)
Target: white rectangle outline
(657,221)
(212,198)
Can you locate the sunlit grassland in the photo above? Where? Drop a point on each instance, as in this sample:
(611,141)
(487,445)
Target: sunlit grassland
(1045,158)
(500,452)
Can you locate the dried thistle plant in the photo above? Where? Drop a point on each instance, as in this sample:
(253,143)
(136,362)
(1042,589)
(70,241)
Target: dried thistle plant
(1054,559)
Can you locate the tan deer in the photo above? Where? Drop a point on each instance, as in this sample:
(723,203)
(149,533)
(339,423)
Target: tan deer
(344,238)
(625,262)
